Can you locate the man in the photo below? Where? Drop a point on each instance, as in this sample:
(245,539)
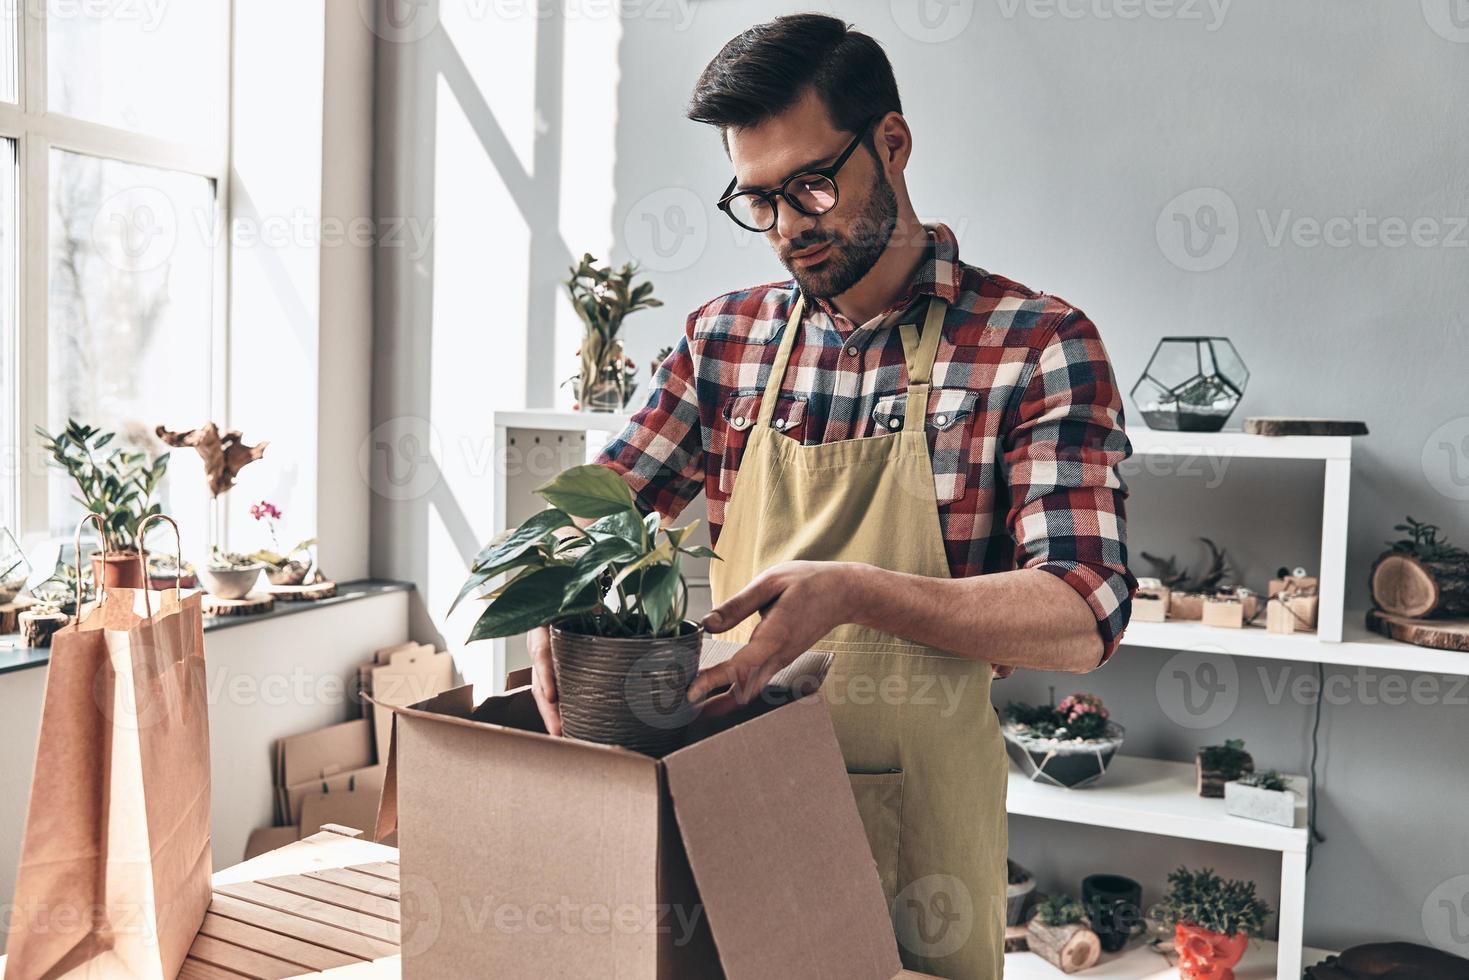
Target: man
(908,461)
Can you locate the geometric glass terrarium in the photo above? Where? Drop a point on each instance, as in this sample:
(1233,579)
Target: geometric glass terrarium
(1191,384)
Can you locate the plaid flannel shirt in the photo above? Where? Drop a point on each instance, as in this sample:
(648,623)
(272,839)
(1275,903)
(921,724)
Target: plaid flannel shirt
(1024,421)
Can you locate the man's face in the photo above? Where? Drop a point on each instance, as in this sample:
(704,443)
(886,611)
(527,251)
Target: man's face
(828,253)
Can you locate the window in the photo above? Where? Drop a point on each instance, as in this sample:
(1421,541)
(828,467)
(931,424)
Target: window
(113,191)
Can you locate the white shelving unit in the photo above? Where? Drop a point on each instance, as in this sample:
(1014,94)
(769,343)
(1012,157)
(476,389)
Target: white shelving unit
(1141,963)
(1137,795)
(1150,796)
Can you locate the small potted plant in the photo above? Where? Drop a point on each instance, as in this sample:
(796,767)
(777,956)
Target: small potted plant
(165,572)
(1020,885)
(118,487)
(615,600)
(1213,920)
(1261,796)
(1060,933)
(1068,744)
(602,299)
(229,575)
(1216,765)
(283,566)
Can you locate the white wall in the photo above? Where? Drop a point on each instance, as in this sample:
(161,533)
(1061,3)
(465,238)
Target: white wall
(267,679)
(1057,140)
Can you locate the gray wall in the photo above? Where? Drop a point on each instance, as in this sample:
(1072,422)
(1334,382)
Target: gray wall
(1068,146)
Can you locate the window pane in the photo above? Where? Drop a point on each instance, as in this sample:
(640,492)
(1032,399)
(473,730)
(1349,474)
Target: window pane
(130,301)
(9,49)
(155,68)
(9,395)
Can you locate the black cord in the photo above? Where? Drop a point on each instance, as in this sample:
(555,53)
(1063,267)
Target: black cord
(1315,837)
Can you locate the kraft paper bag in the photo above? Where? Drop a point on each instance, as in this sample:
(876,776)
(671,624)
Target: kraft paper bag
(114,869)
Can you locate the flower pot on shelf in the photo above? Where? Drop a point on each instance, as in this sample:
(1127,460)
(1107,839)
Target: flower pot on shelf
(118,570)
(1206,955)
(1018,889)
(1069,763)
(1211,779)
(1070,948)
(625,691)
(229,583)
(1277,806)
(605,396)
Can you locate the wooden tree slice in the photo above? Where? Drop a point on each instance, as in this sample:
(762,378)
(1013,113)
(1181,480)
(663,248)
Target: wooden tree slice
(1440,634)
(303,593)
(1406,585)
(252,605)
(1068,948)
(9,611)
(36,631)
(1282,425)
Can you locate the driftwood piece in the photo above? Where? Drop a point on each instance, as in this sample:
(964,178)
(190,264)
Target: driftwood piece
(303,593)
(1068,948)
(1284,425)
(10,613)
(224,455)
(1406,585)
(36,629)
(1439,634)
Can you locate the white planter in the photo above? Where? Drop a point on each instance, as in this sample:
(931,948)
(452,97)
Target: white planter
(1254,803)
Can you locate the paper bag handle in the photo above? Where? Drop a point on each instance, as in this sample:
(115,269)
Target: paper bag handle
(77,545)
(178,566)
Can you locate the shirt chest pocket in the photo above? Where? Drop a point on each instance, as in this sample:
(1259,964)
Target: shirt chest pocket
(949,428)
(741,415)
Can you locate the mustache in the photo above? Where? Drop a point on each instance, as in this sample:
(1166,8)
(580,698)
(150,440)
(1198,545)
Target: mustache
(807,241)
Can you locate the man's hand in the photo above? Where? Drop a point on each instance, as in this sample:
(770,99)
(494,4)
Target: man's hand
(799,602)
(543,678)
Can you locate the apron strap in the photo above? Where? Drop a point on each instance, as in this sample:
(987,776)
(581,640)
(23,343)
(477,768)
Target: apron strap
(782,358)
(920,358)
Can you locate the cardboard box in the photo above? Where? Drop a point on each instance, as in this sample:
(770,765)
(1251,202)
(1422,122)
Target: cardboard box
(338,758)
(264,839)
(739,855)
(1228,612)
(402,676)
(1150,607)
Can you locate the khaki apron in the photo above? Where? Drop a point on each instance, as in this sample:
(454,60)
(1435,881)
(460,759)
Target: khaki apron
(921,741)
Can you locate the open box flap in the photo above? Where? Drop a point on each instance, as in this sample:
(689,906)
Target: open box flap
(779,854)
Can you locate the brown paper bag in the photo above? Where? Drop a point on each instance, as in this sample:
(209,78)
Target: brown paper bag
(114,870)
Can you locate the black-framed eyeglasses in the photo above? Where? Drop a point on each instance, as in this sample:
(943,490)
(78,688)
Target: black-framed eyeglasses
(810,192)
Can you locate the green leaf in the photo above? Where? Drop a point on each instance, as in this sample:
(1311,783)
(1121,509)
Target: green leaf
(662,554)
(624,524)
(588,491)
(534,599)
(657,595)
(700,551)
(508,545)
(678,534)
(594,561)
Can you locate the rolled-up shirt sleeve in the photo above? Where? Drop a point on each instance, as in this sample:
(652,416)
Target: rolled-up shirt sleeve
(1067,500)
(661,452)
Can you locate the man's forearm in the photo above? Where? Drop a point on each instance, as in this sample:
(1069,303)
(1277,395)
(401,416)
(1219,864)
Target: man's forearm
(1023,618)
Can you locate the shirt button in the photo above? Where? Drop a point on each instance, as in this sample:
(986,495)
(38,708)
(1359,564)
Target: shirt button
(942,420)
(780,423)
(739,421)
(894,423)
(851,351)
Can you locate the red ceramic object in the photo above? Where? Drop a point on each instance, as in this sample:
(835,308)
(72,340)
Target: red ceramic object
(1205,955)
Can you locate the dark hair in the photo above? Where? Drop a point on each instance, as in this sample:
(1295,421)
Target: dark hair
(768,68)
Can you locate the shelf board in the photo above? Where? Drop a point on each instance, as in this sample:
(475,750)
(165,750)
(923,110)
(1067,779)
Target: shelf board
(1359,647)
(1141,963)
(1235,443)
(1152,796)
(560,421)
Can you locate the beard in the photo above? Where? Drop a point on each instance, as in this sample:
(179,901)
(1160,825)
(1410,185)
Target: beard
(853,254)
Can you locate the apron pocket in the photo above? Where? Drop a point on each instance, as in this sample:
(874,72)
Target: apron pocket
(880,805)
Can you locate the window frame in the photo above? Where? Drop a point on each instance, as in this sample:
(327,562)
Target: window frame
(36,132)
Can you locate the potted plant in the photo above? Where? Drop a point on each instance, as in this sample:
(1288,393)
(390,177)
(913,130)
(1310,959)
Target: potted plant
(286,566)
(117,487)
(1213,920)
(602,299)
(1068,744)
(229,575)
(1261,796)
(1060,934)
(166,572)
(1216,765)
(1020,885)
(615,600)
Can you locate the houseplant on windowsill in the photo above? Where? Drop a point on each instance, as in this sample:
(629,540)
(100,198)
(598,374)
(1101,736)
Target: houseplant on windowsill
(117,487)
(615,599)
(1213,920)
(228,575)
(602,299)
(1068,744)
(282,566)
